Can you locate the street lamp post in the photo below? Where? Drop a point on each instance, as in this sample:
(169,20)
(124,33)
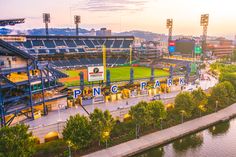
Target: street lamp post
(216,106)
(69,149)
(137,131)
(161,123)
(182,116)
(106,136)
(59,112)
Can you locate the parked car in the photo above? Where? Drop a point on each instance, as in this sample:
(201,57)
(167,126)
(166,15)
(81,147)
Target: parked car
(156,97)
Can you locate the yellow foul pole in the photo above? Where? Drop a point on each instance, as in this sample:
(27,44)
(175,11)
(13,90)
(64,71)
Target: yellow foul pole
(130,55)
(104,53)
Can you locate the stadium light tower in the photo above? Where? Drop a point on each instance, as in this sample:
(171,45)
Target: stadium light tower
(169,25)
(204,23)
(46,20)
(77,22)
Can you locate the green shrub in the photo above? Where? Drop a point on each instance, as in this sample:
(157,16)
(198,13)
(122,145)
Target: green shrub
(53,148)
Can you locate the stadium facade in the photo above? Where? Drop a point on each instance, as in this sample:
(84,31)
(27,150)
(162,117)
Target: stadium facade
(28,87)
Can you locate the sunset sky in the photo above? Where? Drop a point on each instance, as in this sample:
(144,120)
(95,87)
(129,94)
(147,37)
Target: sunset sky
(125,15)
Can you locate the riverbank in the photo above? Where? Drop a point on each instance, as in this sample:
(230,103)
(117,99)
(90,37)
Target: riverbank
(165,136)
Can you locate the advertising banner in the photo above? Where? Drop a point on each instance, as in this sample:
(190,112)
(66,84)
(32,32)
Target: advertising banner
(95,73)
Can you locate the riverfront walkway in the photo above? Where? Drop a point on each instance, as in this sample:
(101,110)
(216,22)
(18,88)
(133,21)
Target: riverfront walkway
(164,136)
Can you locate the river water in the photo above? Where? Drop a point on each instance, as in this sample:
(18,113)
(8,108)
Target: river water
(216,141)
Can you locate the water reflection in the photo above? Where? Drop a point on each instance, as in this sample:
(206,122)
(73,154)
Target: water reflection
(154,152)
(219,129)
(216,141)
(192,141)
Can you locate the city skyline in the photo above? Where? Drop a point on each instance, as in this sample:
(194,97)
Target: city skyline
(126,15)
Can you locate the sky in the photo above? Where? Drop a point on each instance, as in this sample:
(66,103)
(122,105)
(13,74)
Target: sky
(126,15)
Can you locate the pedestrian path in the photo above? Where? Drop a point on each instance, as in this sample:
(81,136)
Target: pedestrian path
(63,114)
(162,137)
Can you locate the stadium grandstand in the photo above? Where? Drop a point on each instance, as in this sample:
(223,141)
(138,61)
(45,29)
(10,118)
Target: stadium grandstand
(166,63)
(74,51)
(148,52)
(28,88)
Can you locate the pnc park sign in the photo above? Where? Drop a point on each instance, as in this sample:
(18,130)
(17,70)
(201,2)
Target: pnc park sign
(97,91)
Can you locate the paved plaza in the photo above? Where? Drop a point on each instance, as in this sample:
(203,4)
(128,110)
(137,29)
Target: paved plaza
(63,114)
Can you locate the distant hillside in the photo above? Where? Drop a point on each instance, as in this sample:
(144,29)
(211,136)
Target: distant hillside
(41,31)
(149,36)
(143,34)
(70,32)
(4,31)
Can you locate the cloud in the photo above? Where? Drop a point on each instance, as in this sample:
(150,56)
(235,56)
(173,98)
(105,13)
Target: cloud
(112,5)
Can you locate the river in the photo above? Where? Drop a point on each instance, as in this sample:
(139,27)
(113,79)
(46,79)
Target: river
(216,141)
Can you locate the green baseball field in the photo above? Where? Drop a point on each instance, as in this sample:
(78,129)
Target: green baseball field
(117,74)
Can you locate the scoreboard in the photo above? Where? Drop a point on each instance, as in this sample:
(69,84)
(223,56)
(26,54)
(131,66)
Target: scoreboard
(185,46)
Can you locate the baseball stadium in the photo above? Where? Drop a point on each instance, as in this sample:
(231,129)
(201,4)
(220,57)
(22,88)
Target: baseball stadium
(40,73)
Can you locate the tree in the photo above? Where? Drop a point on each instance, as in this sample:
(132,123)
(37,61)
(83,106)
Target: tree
(157,112)
(97,118)
(200,100)
(140,115)
(219,129)
(231,77)
(223,93)
(108,125)
(233,57)
(191,141)
(78,131)
(102,124)
(16,141)
(184,104)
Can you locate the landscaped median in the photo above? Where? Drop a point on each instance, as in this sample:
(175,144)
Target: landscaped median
(84,135)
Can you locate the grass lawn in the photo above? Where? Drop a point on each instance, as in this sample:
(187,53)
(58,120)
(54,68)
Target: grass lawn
(123,73)
(117,74)
(72,73)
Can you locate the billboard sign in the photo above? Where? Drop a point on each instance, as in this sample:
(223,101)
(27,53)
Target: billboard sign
(198,49)
(95,73)
(172,43)
(171,49)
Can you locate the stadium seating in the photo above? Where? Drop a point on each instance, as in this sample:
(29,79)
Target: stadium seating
(49,43)
(72,63)
(127,43)
(117,43)
(37,43)
(70,43)
(79,42)
(59,42)
(62,44)
(109,43)
(59,45)
(95,42)
(165,63)
(27,44)
(42,51)
(89,43)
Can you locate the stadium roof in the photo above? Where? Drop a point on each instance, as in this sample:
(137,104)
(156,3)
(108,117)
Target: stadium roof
(9,49)
(11,22)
